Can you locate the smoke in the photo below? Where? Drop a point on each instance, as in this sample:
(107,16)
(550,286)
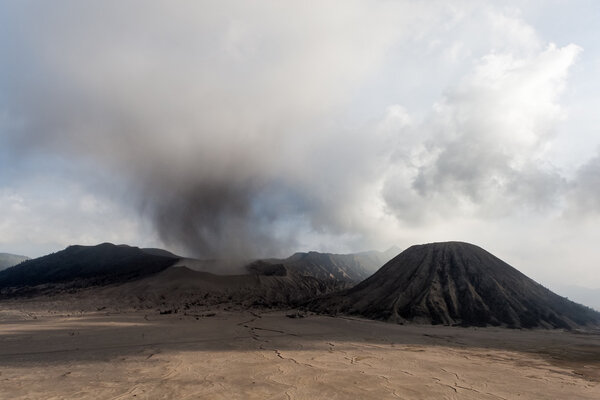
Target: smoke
(209,117)
(255,130)
(584,190)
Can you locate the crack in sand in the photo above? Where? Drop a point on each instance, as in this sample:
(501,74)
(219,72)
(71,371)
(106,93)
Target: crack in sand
(274,330)
(278,353)
(390,387)
(458,378)
(478,392)
(453,373)
(248,357)
(439,382)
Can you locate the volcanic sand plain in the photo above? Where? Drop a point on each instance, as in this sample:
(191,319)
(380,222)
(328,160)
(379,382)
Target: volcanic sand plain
(223,353)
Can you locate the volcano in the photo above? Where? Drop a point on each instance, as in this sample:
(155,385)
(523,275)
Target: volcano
(84,266)
(456,283)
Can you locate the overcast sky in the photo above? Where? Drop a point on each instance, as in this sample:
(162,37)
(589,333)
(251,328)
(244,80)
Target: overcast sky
(262,128)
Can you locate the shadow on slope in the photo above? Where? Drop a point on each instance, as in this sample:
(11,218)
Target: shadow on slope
(82,266)
(456,283)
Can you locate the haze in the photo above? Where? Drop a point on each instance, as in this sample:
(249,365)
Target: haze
(220,129)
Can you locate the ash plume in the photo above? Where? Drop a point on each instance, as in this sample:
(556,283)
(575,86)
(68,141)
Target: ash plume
(218,140)
(251,131)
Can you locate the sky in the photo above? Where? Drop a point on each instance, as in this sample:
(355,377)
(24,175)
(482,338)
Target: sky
(252,129)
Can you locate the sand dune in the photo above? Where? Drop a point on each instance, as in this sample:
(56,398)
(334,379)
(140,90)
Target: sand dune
(219,354)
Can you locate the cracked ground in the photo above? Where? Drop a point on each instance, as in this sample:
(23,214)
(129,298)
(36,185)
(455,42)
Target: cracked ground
(264,355)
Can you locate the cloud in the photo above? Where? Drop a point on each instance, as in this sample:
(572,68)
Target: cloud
(257,130)
(482,149)
(211,117)
(584,194)
(35,213)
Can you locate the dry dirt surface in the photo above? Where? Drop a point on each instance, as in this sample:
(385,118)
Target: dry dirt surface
(224,354)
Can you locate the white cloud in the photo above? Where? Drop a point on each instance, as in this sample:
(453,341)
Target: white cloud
(54,217)
(483,147)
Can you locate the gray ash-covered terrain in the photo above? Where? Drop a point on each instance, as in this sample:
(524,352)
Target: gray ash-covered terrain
(456,283)
(441,283)
(180,288)
(131,276)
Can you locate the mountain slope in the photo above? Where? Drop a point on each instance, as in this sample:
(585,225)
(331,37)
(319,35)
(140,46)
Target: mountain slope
(87,265)
(8,260)
(127,276)
(180,286)
(456,283)
(345,268)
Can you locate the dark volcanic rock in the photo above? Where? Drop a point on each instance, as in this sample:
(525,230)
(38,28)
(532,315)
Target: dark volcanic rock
(347,269)
(82,266)
(178,285)
(261,267)
(123,276)
(456,283)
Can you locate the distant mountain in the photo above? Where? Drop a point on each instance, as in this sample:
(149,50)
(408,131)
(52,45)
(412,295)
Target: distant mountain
(126,270)
(456,283)
(157,252)
(88,265)
(8,260)
(586,296)
(265,283)
(346,268)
